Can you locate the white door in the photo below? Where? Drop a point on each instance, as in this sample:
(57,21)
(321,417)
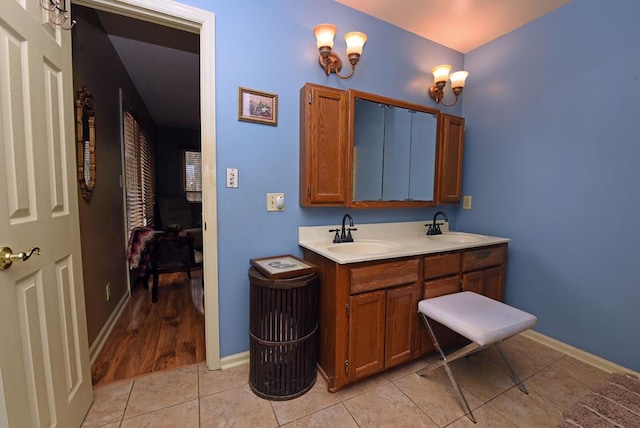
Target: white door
(45,378)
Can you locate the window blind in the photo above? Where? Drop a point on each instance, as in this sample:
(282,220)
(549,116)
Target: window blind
(138,174)
(192,175)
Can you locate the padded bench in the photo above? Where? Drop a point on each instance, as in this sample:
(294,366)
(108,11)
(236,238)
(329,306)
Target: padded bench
(482,320)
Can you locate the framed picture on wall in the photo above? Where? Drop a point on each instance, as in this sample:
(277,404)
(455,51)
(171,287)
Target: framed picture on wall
(257,106)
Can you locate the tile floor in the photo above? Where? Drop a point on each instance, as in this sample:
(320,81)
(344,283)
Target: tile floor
(192,396)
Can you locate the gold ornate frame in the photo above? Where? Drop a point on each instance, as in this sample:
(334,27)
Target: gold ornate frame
(86,142)
(257,106)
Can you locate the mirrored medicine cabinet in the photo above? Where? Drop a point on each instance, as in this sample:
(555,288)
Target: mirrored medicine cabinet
(361,150)
(393,149)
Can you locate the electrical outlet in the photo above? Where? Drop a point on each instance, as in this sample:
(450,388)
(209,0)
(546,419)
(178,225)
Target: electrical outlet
(108,291)
(466,202)
(232,178)
(275,201)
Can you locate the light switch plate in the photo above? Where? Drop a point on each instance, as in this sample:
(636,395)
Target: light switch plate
(275,201)
(466,202)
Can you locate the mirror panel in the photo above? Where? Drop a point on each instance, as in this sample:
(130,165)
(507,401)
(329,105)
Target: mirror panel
(422,164)
(368,150)
(394,152)
(397,154)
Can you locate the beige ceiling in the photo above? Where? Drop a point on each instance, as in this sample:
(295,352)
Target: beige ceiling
(462,25)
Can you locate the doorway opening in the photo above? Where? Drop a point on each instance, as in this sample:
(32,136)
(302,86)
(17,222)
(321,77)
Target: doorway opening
(172,135)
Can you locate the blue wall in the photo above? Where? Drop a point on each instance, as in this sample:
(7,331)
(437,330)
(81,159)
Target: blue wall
(549,159)
(552,148)
(270,46)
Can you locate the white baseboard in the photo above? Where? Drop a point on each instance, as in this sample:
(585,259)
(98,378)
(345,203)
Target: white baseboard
(101,339)
(579,354)
(234,360)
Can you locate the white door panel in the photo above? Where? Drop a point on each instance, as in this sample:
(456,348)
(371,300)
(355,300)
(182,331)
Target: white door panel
(44,362)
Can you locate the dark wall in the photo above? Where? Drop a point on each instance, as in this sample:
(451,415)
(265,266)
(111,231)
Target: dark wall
(104,243)
(170,142)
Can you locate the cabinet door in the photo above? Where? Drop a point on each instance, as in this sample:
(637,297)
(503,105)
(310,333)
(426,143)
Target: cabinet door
(401,318)
(450,150)
(323,146)
(435,288)
(488,282)
(366,334)
(494,283)
(473,281)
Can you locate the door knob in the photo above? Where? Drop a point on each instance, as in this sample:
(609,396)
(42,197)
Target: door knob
(7,257)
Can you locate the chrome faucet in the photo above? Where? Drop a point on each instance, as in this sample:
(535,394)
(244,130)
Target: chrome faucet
(344,234)
(434,228)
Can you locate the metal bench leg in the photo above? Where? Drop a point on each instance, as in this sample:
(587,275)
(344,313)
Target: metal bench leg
(444,362)
(516,376)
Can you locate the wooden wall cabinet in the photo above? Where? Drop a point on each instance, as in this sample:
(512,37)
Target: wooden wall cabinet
(323,146)
(450,152)
(326,152)
(368,310)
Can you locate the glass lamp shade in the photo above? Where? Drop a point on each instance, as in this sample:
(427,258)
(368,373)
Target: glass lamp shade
(324,35)
(458,78)
(355,41)
(441,73)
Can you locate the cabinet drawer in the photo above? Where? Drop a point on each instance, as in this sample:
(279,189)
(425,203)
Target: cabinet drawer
(483,257)
(440,287)
(441,265)
(383,275)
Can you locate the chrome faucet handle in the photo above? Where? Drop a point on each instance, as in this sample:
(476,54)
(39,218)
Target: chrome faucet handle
(336,238)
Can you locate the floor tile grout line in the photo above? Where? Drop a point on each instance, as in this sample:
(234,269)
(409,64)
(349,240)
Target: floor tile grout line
(411,400)
(124,411)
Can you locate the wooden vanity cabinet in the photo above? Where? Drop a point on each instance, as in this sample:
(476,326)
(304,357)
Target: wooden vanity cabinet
(323,146)
(382,315)
(450,151)
(368,311)
(368,319)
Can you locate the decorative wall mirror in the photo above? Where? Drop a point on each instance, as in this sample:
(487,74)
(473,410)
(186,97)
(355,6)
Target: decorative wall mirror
(86,142)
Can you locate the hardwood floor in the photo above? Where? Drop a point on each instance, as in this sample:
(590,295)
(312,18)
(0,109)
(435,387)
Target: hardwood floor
(149,337)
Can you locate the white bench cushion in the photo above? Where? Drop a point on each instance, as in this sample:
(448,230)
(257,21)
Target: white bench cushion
(476,317)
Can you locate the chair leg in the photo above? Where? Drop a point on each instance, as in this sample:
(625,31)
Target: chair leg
(444,362)
(154,288)
(516,376)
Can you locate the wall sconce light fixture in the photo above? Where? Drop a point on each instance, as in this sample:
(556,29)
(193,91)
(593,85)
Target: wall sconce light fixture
(330,61)
(440,77)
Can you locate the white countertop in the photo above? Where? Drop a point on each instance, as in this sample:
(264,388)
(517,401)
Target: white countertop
(399,239)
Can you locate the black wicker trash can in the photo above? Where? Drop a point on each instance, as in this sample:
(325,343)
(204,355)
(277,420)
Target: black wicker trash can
(283,335)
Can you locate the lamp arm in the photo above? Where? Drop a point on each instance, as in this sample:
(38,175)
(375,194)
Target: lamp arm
(449,105)
(353,69)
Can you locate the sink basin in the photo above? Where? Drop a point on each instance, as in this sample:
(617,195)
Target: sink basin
(363,247)
(457,237)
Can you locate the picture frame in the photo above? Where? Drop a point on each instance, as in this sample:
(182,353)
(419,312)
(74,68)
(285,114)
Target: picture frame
(257,106)
(284,266)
